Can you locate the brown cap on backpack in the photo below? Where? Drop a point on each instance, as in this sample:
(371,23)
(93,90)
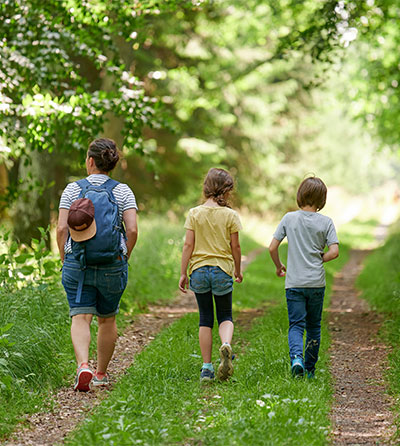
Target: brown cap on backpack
(81,222)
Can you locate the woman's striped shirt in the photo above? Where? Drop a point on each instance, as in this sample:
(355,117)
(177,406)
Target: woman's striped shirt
(123,194)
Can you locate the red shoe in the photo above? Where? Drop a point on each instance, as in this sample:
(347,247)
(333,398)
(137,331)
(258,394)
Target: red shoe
(100,380)
(83,378)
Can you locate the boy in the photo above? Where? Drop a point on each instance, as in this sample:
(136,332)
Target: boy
(308,233)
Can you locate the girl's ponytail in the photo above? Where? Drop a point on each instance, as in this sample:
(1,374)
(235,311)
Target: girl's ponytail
(216,184)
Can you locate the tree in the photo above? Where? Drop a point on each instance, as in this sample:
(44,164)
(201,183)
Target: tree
(57,61)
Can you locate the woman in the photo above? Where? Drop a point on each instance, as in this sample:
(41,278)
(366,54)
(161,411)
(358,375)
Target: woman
(96,294)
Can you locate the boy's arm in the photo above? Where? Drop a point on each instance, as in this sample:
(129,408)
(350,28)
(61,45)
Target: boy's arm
(237,256)
(186,254)
(274,253)
(332,253)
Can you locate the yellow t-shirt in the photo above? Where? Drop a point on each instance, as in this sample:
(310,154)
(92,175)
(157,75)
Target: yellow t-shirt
(212,228)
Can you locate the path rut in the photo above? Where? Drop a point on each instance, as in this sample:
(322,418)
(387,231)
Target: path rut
(361,413)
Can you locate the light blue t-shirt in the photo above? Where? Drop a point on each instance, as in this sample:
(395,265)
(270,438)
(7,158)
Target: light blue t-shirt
(308,233)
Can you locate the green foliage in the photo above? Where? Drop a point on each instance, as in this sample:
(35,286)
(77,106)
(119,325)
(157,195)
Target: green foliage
(181,86)
(35,263)
(52,74)
(374,72)
(236,77)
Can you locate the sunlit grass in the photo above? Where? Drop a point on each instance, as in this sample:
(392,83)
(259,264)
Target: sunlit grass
(359,234)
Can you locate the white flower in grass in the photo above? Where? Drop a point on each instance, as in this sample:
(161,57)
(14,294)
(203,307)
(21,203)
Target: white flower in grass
(271,414)
(260,403)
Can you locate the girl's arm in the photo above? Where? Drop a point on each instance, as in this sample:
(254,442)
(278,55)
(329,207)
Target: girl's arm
(332,253)
(186,254)
(274,253)
(237,256)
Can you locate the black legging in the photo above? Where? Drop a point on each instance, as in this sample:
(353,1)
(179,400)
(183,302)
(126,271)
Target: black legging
(223,305)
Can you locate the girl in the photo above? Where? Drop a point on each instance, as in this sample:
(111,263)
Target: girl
(212,252)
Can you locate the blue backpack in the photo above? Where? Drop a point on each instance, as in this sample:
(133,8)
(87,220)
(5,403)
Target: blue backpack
(105,246)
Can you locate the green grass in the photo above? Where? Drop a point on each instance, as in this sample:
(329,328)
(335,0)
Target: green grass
(36,354)
(380,285)
(161,402)
(154,264)
(358,233)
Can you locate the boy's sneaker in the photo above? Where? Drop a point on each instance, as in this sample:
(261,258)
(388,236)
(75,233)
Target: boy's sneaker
(310,374)
(225,369)
(207,375)
(83,378)
(297,367)
(99,382)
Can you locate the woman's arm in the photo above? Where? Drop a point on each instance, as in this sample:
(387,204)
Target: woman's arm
(62,231)
(237,256)
(186,254)
(130,221)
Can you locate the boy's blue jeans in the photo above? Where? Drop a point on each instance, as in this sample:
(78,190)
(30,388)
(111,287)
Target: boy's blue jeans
(305,313)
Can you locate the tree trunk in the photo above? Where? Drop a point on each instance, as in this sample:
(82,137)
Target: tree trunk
(32,210)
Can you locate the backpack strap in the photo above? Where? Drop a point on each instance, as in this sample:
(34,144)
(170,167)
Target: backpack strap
(110,184)
(83,184)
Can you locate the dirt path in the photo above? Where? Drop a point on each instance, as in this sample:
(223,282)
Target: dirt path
(361,414)
(70,408)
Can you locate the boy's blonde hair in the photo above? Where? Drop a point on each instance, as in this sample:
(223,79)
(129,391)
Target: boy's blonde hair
(216,184)
(312,192)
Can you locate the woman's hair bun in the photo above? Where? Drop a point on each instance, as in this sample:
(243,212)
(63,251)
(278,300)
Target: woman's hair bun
(105,154)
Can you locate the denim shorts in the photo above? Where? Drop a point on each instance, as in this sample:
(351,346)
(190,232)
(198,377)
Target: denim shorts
(211,278)
(102,288)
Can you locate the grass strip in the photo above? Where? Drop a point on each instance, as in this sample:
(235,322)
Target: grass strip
(35,350)
(160,401)
(380,285)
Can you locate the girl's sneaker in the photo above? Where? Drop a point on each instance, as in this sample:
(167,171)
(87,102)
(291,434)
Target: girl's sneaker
(103,380)
(225,369)
(83,378)
(207,375)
